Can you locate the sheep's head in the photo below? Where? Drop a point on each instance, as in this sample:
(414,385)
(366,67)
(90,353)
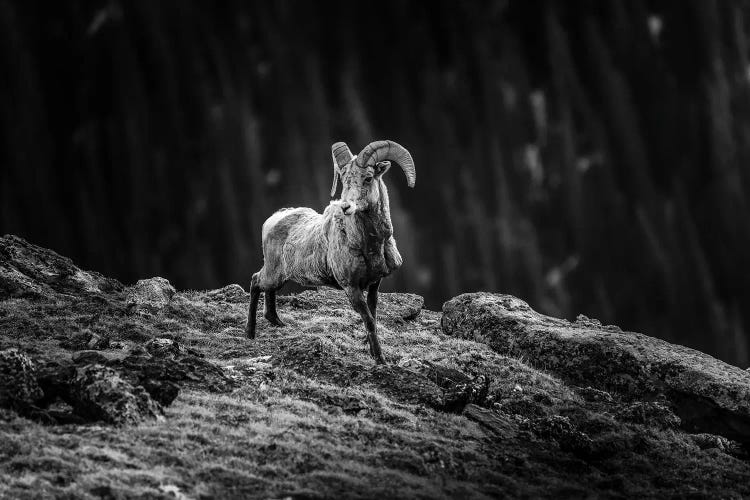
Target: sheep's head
(361,174)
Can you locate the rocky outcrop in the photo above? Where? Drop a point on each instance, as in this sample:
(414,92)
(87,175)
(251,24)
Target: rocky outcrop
(151,294)
(708,395)
(28,270)
(100,393)
(117,388)
(163,363)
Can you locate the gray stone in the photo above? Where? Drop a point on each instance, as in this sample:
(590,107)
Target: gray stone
(162,363)
(233,294)
(100,393)
(707,394)
(153,293)
(27,270)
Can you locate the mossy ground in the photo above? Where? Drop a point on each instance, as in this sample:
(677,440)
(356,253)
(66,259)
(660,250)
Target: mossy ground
(311,417)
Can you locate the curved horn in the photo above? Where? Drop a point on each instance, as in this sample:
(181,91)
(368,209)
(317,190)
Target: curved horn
(341,156)
(389,150)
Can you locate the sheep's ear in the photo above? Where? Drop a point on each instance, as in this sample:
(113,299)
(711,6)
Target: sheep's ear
(382,167)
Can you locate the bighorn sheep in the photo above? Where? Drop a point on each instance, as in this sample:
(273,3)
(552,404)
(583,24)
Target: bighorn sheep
(349,246)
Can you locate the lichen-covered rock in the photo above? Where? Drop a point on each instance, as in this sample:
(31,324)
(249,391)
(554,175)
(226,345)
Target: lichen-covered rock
(18,384)
(707,394)
(27,270)
(159,376)
(233,294)
(153,293)
(162,364)
(100,393)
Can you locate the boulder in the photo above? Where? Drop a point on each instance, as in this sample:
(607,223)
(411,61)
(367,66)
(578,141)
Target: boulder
(99,393)
(162,365)
(708,395)
(399,306)
(152,294)
(27,270)
(114,387)
(233,294)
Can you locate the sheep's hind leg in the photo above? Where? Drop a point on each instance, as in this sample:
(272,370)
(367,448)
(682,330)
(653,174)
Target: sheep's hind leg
(270,307)
(357,299)
(254,296)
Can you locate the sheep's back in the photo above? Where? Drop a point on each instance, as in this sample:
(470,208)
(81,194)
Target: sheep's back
(297,235)
(278,225)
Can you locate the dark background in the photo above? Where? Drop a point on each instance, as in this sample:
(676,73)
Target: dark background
(587,156)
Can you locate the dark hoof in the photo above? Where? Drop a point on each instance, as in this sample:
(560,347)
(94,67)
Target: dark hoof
(377,356)
(250,332)
(275,321)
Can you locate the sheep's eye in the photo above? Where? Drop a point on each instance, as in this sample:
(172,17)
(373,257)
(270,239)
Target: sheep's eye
(368,179)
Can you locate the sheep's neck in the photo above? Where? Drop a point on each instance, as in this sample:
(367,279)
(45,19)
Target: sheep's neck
(374,225)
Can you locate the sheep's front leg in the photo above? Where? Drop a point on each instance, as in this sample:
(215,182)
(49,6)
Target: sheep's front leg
(357,299)
(392,258)
(372,299)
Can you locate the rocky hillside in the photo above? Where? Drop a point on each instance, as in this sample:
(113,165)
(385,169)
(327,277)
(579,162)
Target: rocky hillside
(143,391)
